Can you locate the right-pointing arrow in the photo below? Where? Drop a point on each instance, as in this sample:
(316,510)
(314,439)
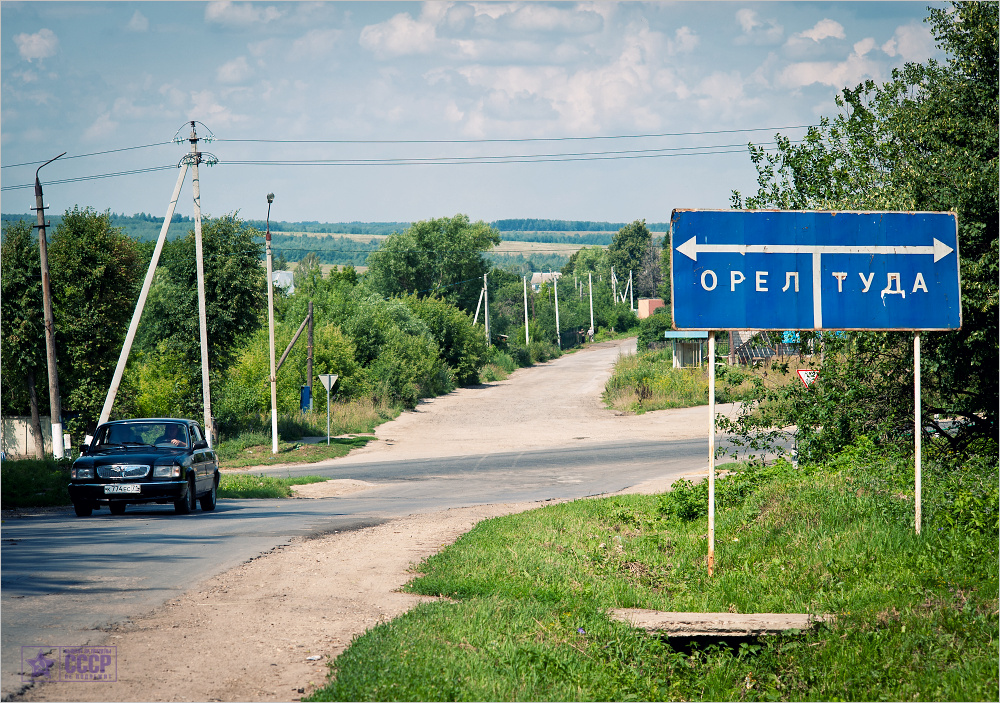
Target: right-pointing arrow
(690,249)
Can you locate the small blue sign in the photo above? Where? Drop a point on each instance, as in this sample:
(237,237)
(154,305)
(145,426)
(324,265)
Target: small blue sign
(809,270)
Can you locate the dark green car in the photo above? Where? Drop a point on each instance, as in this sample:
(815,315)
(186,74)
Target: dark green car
(150,460)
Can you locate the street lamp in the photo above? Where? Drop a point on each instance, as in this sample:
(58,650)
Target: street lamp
(270,330)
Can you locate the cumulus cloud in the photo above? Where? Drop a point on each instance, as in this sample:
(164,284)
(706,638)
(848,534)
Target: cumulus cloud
(40,45)
(102,128)
(233,14)
(757,30)
(911,42)
(400,35)
(138,23)
(314,43)
(533,17)
(235,71)
(824,29)
(836,74)
(683,42)
(205,105)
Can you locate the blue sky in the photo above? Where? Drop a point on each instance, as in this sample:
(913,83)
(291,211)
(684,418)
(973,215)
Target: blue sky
(369,81)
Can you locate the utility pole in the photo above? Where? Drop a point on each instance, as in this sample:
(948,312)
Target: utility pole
(486,310)
(526,341)
(270,330)
(555,284)
(206,394)
(631,301)
(614,287)
(590,282)
(55,406)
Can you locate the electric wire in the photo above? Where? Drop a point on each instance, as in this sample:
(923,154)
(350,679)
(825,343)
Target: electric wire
(512,141)
(95,153)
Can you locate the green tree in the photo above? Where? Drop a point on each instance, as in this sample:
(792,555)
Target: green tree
(235,301)
(926,140)
(441,256)
(96,272)
(629,251)
(308,273)
(22,341)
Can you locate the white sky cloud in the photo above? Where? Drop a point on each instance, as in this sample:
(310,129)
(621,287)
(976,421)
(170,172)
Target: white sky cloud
(431,71)
(401,35)
(911,42)
(235,71)
(757,30)
(240,13)
(40,45)
(684,41)
(138,23)
(824,29)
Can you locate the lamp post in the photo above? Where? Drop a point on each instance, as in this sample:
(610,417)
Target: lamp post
(270,331)
(55,405)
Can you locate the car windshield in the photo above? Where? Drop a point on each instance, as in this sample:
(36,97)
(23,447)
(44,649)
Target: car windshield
(142,434)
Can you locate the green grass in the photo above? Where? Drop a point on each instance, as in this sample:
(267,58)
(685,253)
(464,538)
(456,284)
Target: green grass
(261,486)
(254,449)
(916,616)
(32,483)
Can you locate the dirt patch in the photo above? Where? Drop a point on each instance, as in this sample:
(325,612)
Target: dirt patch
(330,489)
(266,630)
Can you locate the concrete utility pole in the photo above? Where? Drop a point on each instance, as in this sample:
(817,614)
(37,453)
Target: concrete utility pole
(614,287)
(270,330)
(590,282)
(58,448)
(486,310)
(206,394)
(631,301)
(555,284)
(526,340)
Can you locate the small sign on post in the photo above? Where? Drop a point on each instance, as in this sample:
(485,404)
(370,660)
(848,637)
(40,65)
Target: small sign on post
(328,380)
(808,376)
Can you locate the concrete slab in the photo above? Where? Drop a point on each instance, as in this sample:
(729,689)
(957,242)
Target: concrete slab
(715,624)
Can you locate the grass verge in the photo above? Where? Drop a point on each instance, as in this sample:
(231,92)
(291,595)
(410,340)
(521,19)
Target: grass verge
(648,381)
(917,616)
(34,483)
(254,449)
(261,486)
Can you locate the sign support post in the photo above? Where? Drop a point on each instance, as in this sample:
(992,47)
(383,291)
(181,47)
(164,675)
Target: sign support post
(916,429)
(711,452)
(328,380)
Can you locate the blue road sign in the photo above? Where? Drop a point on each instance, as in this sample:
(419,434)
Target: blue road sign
(808,270)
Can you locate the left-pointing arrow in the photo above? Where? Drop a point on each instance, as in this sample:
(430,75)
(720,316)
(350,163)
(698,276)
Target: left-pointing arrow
(691,248)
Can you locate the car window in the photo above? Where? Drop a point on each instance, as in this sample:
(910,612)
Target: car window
(196,433)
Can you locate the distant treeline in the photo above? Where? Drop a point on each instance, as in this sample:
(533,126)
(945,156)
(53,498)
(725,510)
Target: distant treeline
(538,225)
(603,238)
(330,250)
(521,264)
(375,228)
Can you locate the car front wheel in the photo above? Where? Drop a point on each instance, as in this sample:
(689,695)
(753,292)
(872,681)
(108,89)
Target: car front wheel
(117,508)
(186,503)
(83,509)
(208,500)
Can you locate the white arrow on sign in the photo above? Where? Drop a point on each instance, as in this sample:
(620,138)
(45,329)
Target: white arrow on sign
(691,248)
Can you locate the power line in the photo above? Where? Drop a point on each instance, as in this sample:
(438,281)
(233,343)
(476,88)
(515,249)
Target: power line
(511,141)
(95,153)
(93,177)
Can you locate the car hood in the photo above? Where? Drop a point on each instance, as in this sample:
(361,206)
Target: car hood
(138,455)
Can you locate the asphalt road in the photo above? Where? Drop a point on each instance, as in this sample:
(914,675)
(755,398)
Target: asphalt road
(64,580)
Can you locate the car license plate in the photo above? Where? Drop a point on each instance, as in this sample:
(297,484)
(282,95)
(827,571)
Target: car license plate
(122,488)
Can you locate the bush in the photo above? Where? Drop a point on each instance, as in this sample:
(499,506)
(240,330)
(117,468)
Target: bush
(462,345)
(652,328)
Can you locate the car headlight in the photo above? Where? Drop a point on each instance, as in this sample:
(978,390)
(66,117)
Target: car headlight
(167,471)
(75,473)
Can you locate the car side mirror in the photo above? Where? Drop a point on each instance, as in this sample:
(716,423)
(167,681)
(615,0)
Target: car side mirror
(201,444)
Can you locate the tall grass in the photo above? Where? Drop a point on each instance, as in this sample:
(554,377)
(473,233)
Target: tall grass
(34,483)
(648,381)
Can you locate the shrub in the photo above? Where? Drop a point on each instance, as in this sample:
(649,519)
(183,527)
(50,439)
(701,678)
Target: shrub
(652,328)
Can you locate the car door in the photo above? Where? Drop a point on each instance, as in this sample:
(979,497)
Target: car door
(201,461)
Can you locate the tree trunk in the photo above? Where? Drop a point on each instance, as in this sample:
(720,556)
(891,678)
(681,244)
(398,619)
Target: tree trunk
(36,421)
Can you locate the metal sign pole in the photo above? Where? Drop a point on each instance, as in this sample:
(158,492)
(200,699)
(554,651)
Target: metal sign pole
(711,453)
(328,416)
(916,428)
